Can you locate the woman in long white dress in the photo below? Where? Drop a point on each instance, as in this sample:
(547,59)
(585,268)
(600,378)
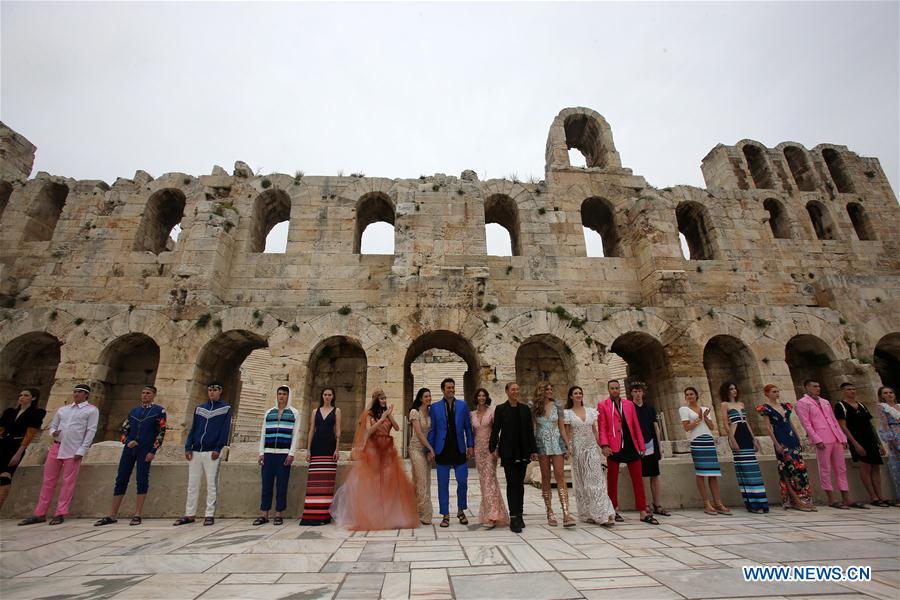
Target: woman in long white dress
(589,481)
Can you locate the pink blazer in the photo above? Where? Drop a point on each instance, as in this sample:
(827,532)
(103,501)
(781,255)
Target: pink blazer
(817,418)
(610,425)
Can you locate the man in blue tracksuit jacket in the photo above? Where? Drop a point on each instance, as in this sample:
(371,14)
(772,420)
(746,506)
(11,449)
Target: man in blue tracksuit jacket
(208,435)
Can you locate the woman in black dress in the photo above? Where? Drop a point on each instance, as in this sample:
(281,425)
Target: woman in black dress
(322,454)
(865,447)
(18,425)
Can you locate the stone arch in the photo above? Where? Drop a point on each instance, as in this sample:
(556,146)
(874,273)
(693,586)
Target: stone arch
(820,219)
(544,357)
(338,362)
(502,210)
(164,210)
(28,360)
(270,208)
(6,190)
(809,357)
(779,221)
(887,360)
(801,168)
(126,365)
(694,223)
(647,361)
(861,222)
(44,212)
(585,130)
(758,166)
(221,359)
(727,358)
(837,168)
(598,215)
(451,341)
(374,207)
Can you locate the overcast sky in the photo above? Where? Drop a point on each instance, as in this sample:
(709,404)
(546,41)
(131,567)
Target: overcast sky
(400,90)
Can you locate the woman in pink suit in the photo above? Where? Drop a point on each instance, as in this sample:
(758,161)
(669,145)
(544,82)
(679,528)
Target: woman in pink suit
(621,441)
(822,429)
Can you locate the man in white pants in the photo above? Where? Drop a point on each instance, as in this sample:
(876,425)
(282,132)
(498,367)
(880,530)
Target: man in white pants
(208,435)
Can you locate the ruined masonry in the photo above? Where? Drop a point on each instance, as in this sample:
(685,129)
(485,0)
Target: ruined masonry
(794,272)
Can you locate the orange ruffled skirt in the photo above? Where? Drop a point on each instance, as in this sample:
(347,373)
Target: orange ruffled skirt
(377,493)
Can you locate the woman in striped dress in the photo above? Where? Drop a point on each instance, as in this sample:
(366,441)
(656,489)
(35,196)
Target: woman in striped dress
(744,448)
(698,424)
(322,454)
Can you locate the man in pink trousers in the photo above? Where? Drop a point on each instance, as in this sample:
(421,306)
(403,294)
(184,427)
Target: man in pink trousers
(72,430)
(822,429)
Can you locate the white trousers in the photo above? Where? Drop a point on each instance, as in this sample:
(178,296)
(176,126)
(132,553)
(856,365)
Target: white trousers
(202,462)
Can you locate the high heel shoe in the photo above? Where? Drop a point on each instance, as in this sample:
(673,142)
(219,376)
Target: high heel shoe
(551,518)
(568,519)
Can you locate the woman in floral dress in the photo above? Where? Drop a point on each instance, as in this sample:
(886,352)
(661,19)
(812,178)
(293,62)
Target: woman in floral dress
(795,491)
(493,509)
(588,479)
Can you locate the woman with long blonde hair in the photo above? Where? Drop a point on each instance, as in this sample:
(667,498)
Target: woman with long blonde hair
(552,449)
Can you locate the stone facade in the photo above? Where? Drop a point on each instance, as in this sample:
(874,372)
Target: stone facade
(794,273)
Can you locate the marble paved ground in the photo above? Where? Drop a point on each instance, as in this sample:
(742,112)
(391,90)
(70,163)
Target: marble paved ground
(690,555)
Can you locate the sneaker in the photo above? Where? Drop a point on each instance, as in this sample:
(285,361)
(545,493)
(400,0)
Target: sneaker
(209,521)
(183,521)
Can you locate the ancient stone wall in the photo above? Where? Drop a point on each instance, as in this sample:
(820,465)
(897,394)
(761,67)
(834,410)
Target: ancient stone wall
(794,272)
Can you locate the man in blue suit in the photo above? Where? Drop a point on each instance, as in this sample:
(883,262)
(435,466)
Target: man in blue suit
(453,442)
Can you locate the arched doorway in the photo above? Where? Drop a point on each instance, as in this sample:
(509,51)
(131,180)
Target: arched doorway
(646,361)
(441,340)
(128,364)
(727,358)
(340,363)
(808,357)
(544,357)
(222,359)
(29,360)
(887,359)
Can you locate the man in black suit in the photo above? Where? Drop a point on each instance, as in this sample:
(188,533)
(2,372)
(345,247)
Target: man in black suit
(512,439)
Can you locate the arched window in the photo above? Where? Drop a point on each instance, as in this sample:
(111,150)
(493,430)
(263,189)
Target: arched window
(861,222)
(598,220)
(838,171)
(694,225)
(821,222)
(759,168)
(798,163)
(270,209)
(5,192)
(501,210)
(161,223)
(45,212)
(778,221)
(374,212)
(583,134)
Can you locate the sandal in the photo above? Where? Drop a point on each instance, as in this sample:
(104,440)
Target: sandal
(57,520)
(209,521)
(892,503)
(445,522)
(858,505)
(619,518)
(184,521)
(105,521)
(608,524)
(840,505)
(260,521)
(135,520)
(880,503)
(278,521)
(659,510)
(462,518)
(709,509)
(650,519)
(722,509)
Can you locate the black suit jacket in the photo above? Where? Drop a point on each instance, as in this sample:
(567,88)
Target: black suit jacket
(513,433)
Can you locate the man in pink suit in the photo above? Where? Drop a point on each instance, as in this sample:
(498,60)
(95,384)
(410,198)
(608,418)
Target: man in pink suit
(822,429)
(621,441)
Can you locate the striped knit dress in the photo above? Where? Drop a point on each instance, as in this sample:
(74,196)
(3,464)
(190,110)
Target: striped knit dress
(746,466)
(322,472)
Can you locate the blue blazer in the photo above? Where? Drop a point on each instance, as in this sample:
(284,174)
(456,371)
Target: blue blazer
(437,435)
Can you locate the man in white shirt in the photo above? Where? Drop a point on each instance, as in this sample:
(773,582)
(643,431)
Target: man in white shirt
(72,429)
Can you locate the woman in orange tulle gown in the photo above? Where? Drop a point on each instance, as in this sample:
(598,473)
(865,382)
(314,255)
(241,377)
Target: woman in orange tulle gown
(377,493)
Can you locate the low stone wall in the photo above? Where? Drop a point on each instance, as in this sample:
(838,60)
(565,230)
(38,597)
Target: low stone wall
(239,485)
